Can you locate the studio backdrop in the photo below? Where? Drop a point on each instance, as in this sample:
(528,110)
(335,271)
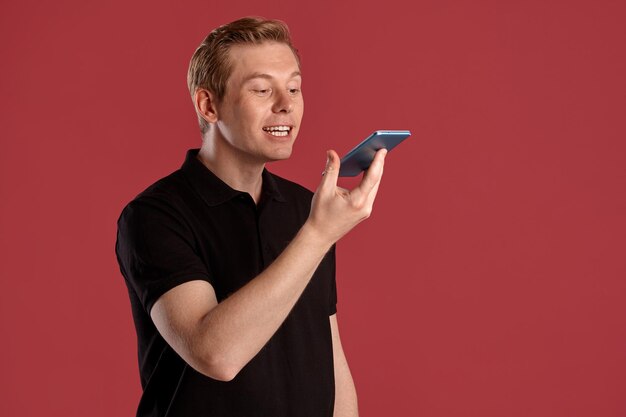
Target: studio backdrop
(490,279)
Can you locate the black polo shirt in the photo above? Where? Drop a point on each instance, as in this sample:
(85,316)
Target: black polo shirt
(190,225)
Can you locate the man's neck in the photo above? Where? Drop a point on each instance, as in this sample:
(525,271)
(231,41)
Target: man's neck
(239,174)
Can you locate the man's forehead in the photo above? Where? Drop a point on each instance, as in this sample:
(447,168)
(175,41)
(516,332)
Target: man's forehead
(266,76)
(266,60)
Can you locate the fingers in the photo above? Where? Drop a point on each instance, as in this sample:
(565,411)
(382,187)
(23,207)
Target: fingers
(369,201)
(335,210)
(373,174)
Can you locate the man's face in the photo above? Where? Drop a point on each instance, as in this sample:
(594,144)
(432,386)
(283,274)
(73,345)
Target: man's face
(260,113)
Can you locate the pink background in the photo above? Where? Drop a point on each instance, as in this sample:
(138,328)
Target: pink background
(490,280)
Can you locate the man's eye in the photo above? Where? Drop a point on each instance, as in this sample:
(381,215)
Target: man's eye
(263,91)
(294,91)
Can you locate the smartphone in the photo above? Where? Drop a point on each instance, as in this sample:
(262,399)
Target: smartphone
(360,158)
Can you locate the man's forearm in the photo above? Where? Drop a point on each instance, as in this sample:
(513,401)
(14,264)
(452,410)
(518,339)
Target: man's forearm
(219,339)
(346,403)
(235,330)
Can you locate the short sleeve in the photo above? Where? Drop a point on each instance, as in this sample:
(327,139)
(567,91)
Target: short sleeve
(156,251)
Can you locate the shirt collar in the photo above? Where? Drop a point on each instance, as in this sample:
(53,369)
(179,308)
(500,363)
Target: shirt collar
(213,190)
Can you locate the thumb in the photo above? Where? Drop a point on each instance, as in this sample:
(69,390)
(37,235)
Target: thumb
(331,172)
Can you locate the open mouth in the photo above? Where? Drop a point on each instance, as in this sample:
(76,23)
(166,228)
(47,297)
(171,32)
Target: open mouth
(281,130)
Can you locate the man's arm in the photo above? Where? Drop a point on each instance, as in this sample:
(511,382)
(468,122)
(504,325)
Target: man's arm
(218,340)
(346,404)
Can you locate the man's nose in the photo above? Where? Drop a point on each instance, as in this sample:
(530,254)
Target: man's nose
(282,102)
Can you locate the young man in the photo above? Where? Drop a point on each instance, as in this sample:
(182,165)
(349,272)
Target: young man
(231,269)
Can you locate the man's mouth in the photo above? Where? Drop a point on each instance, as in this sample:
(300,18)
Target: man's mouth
(280,130)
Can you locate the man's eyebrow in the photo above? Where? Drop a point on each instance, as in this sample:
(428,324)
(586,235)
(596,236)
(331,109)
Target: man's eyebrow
(267,76)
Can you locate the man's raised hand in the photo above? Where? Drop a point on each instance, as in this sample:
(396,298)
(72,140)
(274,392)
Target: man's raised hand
(335,210)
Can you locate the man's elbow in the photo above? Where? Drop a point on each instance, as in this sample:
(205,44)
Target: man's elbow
(217,368)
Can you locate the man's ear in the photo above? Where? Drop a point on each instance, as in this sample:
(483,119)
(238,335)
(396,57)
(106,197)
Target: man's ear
(205,105)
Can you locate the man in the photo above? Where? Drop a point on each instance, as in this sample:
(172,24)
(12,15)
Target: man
(230,269)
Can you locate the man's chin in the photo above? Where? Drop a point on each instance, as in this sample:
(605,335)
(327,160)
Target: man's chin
(279,156)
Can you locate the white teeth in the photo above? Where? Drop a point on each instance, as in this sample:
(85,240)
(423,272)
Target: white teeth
(277,129)
(278,133)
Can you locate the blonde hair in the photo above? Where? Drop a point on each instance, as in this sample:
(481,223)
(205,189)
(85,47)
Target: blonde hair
(210,66)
